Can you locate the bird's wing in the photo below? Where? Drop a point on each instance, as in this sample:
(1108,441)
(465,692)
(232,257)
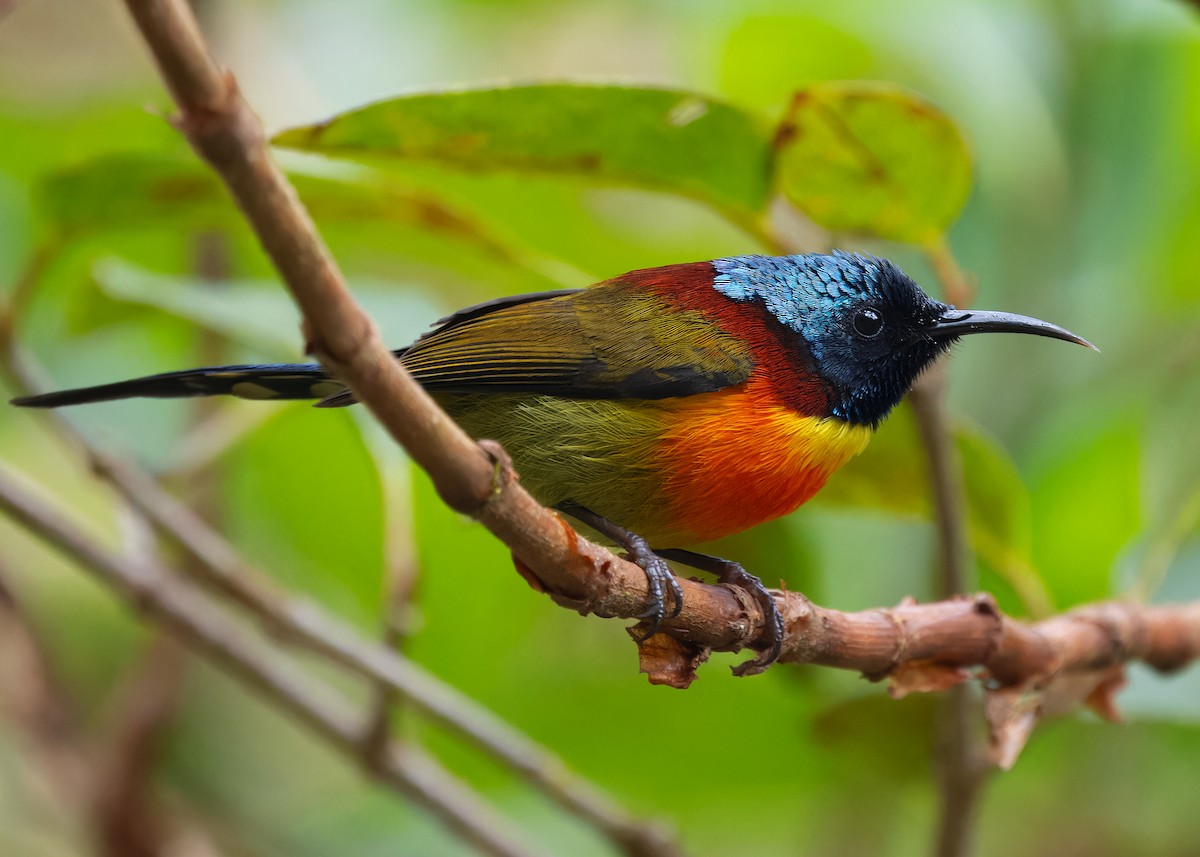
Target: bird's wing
(611,341)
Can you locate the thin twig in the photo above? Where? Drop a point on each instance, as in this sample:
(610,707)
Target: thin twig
(162,596)
(402,574)
(34,701)
(928,399)
(128,821)
(128,816)
(402,579)
(959,751)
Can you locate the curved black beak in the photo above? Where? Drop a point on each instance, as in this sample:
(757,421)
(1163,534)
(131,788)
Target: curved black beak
(961,322)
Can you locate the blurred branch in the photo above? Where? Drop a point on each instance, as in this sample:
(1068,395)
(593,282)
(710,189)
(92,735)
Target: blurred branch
(928,398)
(158,593)
(959,753)
(126,815)
(957,287)
(27,281)
(33,700)
(399,616)
(80,776)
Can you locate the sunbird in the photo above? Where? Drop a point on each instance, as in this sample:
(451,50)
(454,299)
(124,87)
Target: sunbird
(664,407)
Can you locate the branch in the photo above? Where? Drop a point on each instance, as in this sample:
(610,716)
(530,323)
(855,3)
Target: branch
(159,593)
(959,755)
(128,820)
(33,700)
(928,399)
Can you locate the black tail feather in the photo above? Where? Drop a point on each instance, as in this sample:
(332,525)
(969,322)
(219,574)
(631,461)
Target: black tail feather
(270,381)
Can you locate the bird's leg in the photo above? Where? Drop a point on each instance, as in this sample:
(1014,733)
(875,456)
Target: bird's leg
(732,573)
(658,573)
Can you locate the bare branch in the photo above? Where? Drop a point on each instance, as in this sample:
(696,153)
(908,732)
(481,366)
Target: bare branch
(959,754)
(128,821)
(33,699)
(161,595)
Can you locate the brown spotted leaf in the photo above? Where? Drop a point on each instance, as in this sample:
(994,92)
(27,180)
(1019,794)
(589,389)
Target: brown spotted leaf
(873,159)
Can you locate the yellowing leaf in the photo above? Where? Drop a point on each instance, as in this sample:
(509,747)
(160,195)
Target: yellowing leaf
(873,159)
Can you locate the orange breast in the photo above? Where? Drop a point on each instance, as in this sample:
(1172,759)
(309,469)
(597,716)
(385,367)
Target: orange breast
(739,457)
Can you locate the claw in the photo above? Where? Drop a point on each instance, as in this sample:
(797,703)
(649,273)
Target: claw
(738,576)
(677,592)
(657,571)
(733,574)
(656,606)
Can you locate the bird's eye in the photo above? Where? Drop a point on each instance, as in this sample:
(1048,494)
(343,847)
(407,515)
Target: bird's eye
(868,322)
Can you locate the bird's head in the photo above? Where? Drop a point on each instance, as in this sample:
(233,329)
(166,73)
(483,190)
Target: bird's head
(868,327)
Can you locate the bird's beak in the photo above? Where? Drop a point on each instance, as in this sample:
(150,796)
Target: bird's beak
(955,323)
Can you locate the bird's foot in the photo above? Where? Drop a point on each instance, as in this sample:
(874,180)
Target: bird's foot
(732,573)
(738,576)
(659,576)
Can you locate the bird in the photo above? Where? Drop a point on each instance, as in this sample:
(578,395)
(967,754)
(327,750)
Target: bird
(665,407)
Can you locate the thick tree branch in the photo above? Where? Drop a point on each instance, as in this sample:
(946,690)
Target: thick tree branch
(1048,665)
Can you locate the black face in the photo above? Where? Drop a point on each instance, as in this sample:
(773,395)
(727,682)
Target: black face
(869,328)
(872,344)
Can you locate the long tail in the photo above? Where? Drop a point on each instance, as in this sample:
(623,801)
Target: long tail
(270,381)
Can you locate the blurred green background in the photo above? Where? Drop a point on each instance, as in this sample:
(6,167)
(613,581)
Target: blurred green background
(1083,123)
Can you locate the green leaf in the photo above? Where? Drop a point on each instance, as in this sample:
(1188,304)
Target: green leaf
(131,191)
(258,313)
(873,159)
(891,476)
(1087,507)
(303,498)
(654,138)
(128,190)
(999,516)
(253,313)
